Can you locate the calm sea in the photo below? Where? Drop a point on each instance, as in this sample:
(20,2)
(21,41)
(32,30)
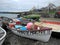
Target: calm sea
(9,15)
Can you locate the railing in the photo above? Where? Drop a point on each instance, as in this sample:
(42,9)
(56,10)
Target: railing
(32,32)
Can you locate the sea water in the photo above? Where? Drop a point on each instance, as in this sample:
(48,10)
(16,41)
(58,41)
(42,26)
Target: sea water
(9,15)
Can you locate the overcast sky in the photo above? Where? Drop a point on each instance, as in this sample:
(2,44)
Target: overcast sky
(24,5)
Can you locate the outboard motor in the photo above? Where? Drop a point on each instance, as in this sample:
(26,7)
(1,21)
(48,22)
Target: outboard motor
(18,16)
(4,25)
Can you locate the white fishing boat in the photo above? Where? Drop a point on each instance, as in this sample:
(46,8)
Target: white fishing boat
(42,34)
(55,25)
(2,35)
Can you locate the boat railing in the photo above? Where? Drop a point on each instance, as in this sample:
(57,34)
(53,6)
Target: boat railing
(31,32)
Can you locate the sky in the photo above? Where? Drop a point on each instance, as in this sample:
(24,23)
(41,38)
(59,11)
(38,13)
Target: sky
(24,5)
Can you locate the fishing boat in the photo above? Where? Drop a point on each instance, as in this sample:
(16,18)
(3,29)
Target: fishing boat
(38,35)
(55,25)
(2,35)
(41,34)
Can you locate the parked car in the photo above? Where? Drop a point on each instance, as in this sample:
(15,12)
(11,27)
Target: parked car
(57,14)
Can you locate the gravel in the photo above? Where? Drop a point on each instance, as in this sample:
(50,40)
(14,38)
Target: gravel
(12,39)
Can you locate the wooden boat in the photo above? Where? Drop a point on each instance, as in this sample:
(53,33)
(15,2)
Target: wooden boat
(55,25)
(2,35)
(42,34)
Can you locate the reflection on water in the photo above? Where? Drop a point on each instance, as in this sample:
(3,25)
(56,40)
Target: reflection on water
(9,15)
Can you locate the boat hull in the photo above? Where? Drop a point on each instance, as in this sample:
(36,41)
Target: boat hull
(55,34)
(41,36)
(3,33)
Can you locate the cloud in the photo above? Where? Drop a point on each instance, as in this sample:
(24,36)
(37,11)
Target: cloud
(22,5)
